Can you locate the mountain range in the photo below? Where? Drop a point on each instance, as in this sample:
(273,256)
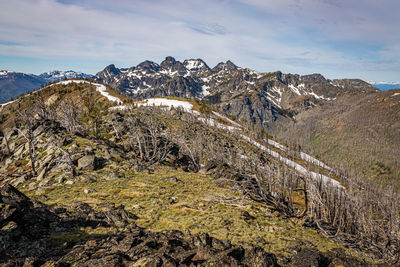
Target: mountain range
(245,94)
(12,84)
(342,121)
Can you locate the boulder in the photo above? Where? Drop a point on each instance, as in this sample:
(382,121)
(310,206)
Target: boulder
(89,162)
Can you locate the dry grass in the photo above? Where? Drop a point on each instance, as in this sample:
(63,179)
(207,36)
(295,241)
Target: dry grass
(194,204)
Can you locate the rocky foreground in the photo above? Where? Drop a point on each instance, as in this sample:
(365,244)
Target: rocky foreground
(33,234)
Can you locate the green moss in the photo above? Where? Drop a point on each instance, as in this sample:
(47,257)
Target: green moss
(58,239)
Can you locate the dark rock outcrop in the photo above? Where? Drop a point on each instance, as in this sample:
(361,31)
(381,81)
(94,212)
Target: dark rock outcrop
(53,235)
(334,257)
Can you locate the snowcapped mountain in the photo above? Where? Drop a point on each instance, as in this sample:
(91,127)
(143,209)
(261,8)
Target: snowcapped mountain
(57,75)
(13,84)
(195,65)
(241,92)
(225,66)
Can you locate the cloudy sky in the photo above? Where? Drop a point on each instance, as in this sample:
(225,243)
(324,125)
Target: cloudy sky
(338,38)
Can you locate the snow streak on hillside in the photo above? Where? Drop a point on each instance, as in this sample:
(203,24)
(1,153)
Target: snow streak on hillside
(299,168)
(165,102)
(188,107)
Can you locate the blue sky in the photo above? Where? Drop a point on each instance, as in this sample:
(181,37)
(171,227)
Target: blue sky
(337,38)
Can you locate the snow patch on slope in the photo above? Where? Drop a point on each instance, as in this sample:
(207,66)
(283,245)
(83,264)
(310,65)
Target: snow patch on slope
(205,89)
(186,106)
(194,64)
(5,104)
(226,118)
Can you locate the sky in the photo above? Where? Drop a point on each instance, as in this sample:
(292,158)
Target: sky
(337,38)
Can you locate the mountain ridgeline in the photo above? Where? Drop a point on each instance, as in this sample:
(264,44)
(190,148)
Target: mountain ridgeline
(261,98)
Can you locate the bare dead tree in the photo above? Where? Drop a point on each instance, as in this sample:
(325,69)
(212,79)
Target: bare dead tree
(70,116)
(66,159)
(28,133)
(44,110)
(94,114)
(147,136)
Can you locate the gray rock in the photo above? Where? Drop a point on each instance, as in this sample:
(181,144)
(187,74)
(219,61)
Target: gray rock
(87,163)
(40,191)
(8,162)
(87,178)
(171,179)
(41,174)
(45,182)
(90,163)
(113,175)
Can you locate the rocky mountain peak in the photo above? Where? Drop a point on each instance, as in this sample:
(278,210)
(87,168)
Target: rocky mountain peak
(238,91)
(106,75)
(109,71)
(354,84)
(195,64)
(171,66)
(228,65)
(168,62)
(112,69)
(316,77)
(148,66)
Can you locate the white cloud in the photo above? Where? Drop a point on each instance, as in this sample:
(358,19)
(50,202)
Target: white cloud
(366,20)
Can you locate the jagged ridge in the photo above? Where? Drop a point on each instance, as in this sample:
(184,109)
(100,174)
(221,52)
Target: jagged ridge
(258,97)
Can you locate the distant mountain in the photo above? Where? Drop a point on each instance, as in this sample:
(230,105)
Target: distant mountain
(384,86)
(261,98)
(12,84)
(57,75)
